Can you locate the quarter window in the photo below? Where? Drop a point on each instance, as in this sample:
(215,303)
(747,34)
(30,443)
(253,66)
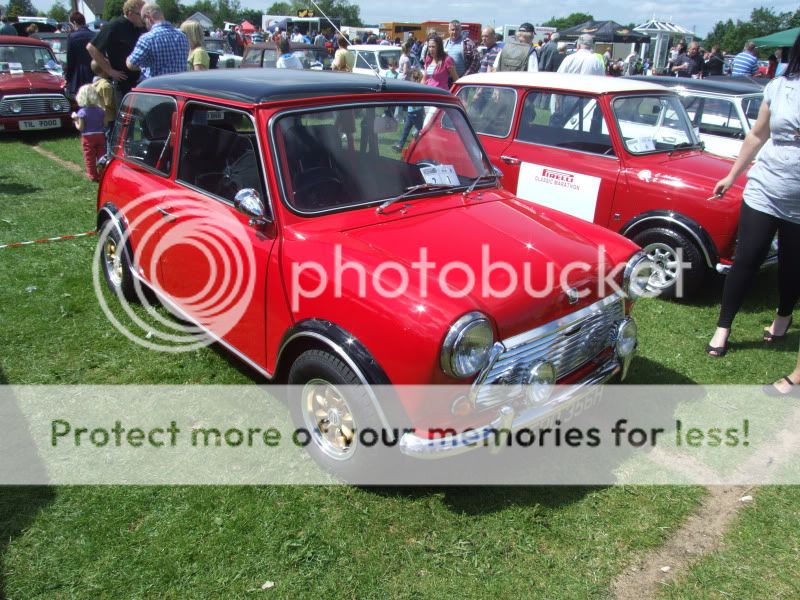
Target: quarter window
(490,109)
(143,133)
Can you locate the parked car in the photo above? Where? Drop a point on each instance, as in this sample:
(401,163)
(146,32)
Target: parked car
(371,58)
(722,110)
(297,167)
(32,88)
(221,55)
(616,152)
(265,55)
(58,42)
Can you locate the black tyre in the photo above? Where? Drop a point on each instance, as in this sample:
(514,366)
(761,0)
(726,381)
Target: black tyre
(667,249)
(116,266)
(328,401)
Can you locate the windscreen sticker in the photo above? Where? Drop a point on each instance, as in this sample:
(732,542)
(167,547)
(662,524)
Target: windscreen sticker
(642,144)
(15,67)
(569,192)
(440,174)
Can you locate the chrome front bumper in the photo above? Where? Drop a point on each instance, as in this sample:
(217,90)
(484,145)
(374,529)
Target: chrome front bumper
(507,420)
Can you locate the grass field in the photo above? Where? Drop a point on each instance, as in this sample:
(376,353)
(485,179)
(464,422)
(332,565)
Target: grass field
(337,542)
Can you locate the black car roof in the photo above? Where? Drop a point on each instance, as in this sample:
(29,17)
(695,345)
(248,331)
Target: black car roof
(716,86)
(254,86)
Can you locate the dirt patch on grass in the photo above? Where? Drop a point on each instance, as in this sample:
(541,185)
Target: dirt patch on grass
(704,531)
(701,534)
(64,163)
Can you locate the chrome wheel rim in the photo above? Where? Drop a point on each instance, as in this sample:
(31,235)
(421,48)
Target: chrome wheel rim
(113,262)
(666,266)
(329,419)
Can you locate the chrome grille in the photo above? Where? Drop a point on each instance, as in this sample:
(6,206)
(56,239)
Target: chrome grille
(38,104)
(569,343)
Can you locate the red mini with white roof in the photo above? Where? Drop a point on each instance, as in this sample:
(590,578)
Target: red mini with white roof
(616,152)
(275,213)
(32,88)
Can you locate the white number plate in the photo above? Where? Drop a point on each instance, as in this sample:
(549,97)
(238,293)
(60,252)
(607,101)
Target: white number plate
(40,124)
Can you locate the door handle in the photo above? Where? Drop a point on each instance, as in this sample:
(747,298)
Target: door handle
(510,160)
(166,215)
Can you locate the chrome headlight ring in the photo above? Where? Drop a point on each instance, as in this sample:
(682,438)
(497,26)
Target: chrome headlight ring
(636,277)
(466,347)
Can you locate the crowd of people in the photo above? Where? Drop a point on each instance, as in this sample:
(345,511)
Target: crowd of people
(102,67)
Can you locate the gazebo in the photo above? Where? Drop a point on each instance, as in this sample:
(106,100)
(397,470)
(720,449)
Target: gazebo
(605,32)
(662,31)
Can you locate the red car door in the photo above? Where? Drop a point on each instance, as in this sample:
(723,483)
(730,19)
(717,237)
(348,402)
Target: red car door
(214,263)
(561,155)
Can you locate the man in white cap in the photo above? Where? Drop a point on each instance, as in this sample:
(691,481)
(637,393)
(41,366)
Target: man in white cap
(583,61)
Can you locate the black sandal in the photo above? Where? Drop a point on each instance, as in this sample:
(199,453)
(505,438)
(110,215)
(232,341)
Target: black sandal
(770,338)
(720,351)
(773,392)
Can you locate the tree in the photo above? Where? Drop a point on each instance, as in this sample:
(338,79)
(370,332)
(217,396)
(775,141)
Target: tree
(112,8)
(280,8)
(252,15)
(732,37)
(228,10)
(568,21)
(20,8)
(171,9)
(58,12)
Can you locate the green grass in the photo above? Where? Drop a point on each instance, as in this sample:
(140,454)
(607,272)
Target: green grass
(761,558)
(330,542)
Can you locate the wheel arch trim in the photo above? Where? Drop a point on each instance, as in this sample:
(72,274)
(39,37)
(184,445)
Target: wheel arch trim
(357,357)
(679,222)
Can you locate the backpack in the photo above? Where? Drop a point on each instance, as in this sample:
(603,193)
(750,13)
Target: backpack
(514,56)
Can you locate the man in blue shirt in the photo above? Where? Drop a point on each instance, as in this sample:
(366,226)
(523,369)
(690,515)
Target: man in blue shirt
(462,50)
(746,62)
(162,50)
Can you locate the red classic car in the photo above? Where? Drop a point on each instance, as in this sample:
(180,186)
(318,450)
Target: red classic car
(619,153)
(276,214)
(32,89)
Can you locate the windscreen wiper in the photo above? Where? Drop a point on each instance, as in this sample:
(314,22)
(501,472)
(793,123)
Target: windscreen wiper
(478,179)
(683,145)
(411,190)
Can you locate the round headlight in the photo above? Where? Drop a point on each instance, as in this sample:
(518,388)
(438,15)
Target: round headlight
(540,380)
(15,106)
(56,105)
(626,338)
(637,276)
(466,347)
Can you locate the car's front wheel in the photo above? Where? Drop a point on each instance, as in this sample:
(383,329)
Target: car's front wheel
(679,268)
(336,413)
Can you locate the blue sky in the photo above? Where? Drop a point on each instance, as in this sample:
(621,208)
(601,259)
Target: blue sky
(697,16)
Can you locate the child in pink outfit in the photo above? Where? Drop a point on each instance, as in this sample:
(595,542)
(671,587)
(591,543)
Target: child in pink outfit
(89,121)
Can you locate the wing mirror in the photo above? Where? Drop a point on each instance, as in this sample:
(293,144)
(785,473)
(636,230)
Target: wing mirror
(248,202)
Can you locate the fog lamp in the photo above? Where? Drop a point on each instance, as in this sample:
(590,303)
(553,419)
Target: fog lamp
(540,382)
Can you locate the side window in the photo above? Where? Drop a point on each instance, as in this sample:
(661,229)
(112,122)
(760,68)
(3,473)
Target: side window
(219,153)
(252,57)
(270,58)
(144,131)
(366,60)
(564,121)
(751,106)
(490,109)
(720,117)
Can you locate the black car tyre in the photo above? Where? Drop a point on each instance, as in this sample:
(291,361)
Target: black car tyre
(667,249)
(335,413)
(115,262)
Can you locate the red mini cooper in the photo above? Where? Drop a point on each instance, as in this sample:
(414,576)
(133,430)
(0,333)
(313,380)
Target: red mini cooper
(32,89)
(284,215)
(620,153)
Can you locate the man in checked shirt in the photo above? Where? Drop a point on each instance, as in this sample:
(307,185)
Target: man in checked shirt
(162,50)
